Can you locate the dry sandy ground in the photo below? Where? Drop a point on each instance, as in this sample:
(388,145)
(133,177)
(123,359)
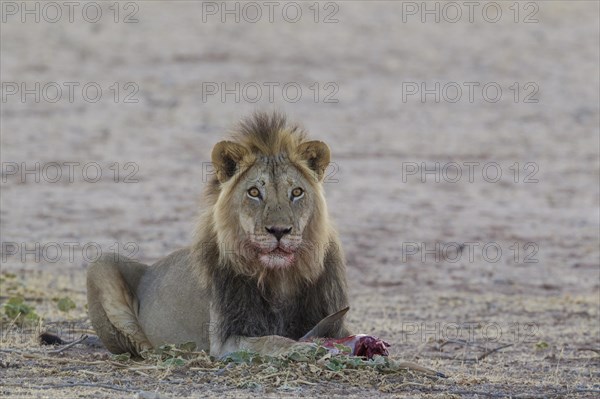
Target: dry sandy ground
(541,294)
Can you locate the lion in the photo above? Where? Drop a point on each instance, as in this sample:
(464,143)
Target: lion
(265,265)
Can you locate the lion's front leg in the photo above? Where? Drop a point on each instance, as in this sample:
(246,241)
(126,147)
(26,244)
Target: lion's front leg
(268,345)
(113,304)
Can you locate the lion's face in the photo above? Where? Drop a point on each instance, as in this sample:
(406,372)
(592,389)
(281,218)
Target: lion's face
(275,203)
(271,206)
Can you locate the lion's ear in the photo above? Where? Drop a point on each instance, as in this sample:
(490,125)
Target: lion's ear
(226,157)
(317,155)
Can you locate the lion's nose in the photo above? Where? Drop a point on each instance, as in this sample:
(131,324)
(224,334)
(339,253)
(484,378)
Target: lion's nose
(279,231)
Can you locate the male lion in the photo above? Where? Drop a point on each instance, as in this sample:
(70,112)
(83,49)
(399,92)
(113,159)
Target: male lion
(265,267)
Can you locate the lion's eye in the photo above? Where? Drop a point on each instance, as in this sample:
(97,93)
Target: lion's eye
(254,192)
(297,193)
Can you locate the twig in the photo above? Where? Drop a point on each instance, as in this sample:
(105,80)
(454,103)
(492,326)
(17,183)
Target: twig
(265,377)
(10,325)
(72,344)
(204,369)
(287,374)
(301,381)
(421,369)
(499,394)
(558,362)
(75,384)
(116,364)
(452,341)
(3,350)
(89,372)
(51,359)
(144,368)
(486,354)
(458,342)
(589,349)
(410,384)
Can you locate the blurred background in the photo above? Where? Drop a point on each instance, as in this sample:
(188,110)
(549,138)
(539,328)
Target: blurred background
(456,131)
